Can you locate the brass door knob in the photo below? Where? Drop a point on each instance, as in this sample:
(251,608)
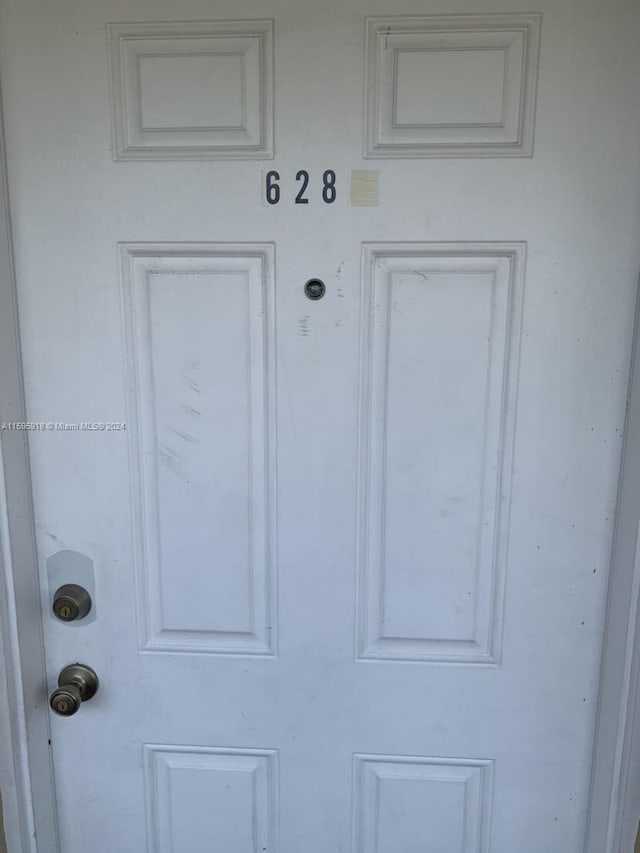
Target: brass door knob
(71,602)
(77,683)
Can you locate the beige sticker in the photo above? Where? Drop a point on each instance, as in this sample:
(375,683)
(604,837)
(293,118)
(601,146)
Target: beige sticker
(364,188)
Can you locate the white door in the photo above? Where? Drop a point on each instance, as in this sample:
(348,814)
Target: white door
(348,556)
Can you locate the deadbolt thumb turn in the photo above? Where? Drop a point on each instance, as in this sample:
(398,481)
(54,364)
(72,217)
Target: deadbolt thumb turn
(77,683)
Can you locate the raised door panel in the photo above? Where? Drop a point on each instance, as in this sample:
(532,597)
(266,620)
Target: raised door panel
(451,86)
(439,371)
(192,91)
(413,804)
(201,352)
(202,799)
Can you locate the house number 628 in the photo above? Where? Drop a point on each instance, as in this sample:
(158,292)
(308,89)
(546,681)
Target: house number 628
(273,193)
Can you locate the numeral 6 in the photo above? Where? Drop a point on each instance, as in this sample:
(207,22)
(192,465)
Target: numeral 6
(273,187)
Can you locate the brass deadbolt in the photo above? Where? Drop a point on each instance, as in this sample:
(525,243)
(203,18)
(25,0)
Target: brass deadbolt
(71,602)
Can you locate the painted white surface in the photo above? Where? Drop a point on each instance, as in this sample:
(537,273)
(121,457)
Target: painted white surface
(192,90)
(615,775)
(436,479)
(201,420)
(26,778)
(183,784)
(314,703)
(454,86)
(409,804)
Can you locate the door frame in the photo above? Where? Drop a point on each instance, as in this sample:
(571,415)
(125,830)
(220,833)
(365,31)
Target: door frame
(26,771)
(614,805)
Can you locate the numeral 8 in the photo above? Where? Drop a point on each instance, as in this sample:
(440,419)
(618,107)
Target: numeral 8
(329,186)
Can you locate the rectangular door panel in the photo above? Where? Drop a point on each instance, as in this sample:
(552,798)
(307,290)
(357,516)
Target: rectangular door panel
(440,347)
(413,804)
(201,351)
(451,86)
(192,90)
(202,799)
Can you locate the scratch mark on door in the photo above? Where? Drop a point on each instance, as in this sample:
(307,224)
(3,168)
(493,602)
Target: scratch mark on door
(303,326)
(191,410)
(183,435)
(171,459)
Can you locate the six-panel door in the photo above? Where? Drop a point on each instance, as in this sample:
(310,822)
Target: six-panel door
(348,555)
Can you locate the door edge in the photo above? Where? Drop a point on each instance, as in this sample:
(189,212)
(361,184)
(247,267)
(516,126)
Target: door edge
(26,771)
(614,801)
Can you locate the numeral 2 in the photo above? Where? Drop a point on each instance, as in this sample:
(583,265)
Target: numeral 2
(304,177)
